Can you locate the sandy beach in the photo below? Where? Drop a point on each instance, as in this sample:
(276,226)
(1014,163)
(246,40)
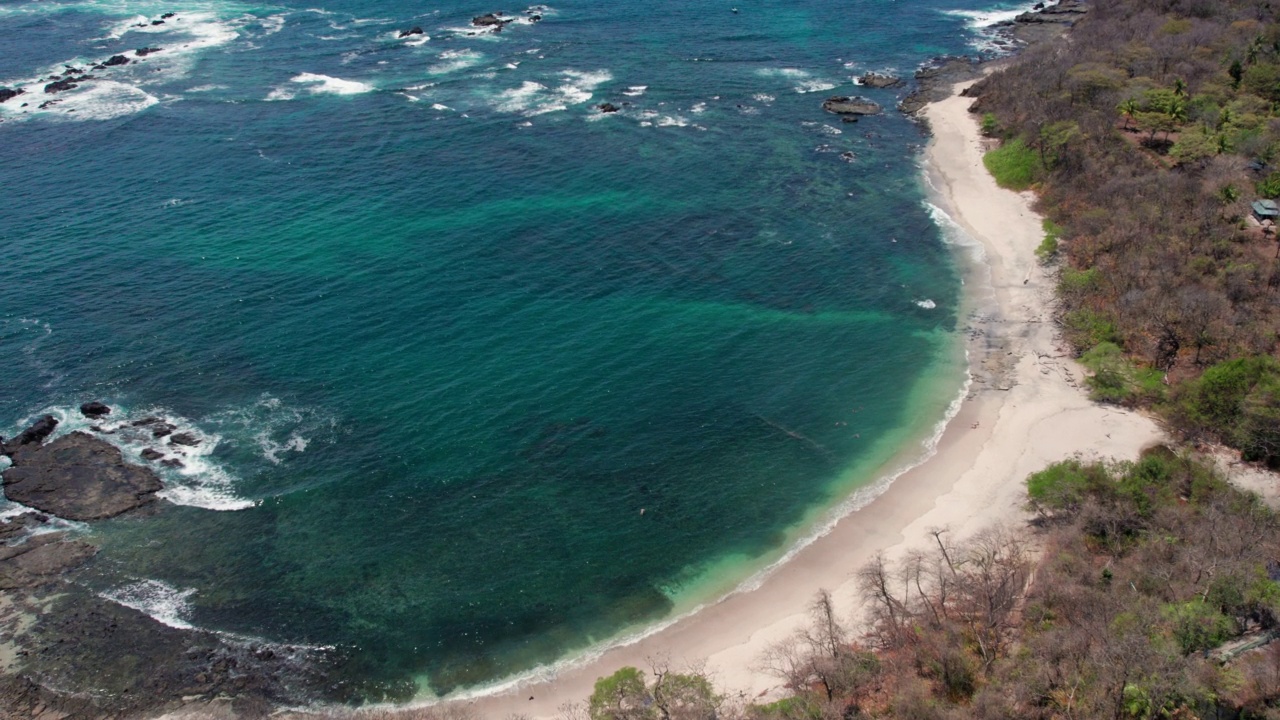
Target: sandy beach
(1026,408)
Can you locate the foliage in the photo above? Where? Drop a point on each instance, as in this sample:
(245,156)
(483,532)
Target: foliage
(1049,246)
(1116,379)
(1238,401)
(1014,165)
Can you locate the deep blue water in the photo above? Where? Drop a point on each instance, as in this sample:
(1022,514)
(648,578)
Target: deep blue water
(445,328)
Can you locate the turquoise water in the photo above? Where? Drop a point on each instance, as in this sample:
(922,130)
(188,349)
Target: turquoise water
(483,375)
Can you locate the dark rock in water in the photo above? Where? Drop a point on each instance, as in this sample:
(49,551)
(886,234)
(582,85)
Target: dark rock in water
(608,108)
(415,30)
(167,15)
(33,435)
(936,79)
(876,80)
(535,18)
(1038,6)
(157,22)
(149,420)
(848,156)
(115,60)
(95,410)
(78,477)
(60,85)
(173,463)
(41,559)
(185,439)
(152,454)
(6,93)
(159,430)
(145,51)
(490,20)
(849,119)
(843,105)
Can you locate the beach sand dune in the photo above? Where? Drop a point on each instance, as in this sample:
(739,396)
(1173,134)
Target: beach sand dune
(1026,408)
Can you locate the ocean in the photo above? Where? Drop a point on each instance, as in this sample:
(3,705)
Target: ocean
(484,377)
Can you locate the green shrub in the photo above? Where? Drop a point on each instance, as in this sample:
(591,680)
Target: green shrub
(1116,379)
(1239,402)
(1087,328)
(1270,187)
(1049,246)
(1063,485)
(990,126)
(1014,165)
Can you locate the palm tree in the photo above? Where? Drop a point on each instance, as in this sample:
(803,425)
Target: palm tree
(1179,87)
(1128,108)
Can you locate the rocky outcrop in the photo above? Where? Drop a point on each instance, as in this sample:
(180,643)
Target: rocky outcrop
(40,559)
(33,435)
(184,438)
(415,30)
(116,60)
(95,410)
(935,80)
(7,93)
(490,20)
(608,108)
(78,477)
(845,105)
(58,86)
(145,51)
(879,81)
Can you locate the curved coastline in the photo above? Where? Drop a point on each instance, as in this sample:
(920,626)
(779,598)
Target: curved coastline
(1023,408)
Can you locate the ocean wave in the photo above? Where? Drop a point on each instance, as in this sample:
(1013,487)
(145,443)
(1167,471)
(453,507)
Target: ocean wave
(165,603)
(319,85)
(983,24)
(927,304)
(534,98)
(803,80)
(635,90)
(455,60)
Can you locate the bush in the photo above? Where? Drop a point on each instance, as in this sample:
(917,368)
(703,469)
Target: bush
(1237,401)
(1117,380)
(1062,486)
(1014,165)
(1049,246)
(1087,328)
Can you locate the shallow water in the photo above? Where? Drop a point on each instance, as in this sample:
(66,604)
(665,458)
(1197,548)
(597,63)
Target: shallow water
(483,375)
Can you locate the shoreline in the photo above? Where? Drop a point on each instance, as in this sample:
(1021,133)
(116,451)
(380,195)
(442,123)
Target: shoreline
(1023,410)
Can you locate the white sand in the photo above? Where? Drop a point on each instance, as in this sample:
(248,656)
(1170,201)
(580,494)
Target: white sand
(1025,411)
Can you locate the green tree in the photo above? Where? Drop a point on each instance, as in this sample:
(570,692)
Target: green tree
(1128,109)
(621,696)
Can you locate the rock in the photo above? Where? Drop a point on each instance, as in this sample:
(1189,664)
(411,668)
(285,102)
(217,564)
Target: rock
(844,105)
(95,410)
(160,430)
(145,51)
(116,60)
(33,435)
(151,454)
(490,20)
(849,119)
(60,85)
(6,93)
(415,30)
(41,559)
(876,80)
(608,108)
(173,463)
(78,477)
(167,15)
(157,22)
(185,439)
(936,79)
(535,18)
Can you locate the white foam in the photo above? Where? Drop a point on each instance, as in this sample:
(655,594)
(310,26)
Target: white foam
(534,98)
(809,86)
(763,98)
(698,108)
(272,24)
(635,90)
(455,60)
(926,304)
(983,24)
(163,602)
(326,85)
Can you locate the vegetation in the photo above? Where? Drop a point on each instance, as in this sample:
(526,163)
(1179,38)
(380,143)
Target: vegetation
(1013,164)
(1152,575)
(1147,135)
